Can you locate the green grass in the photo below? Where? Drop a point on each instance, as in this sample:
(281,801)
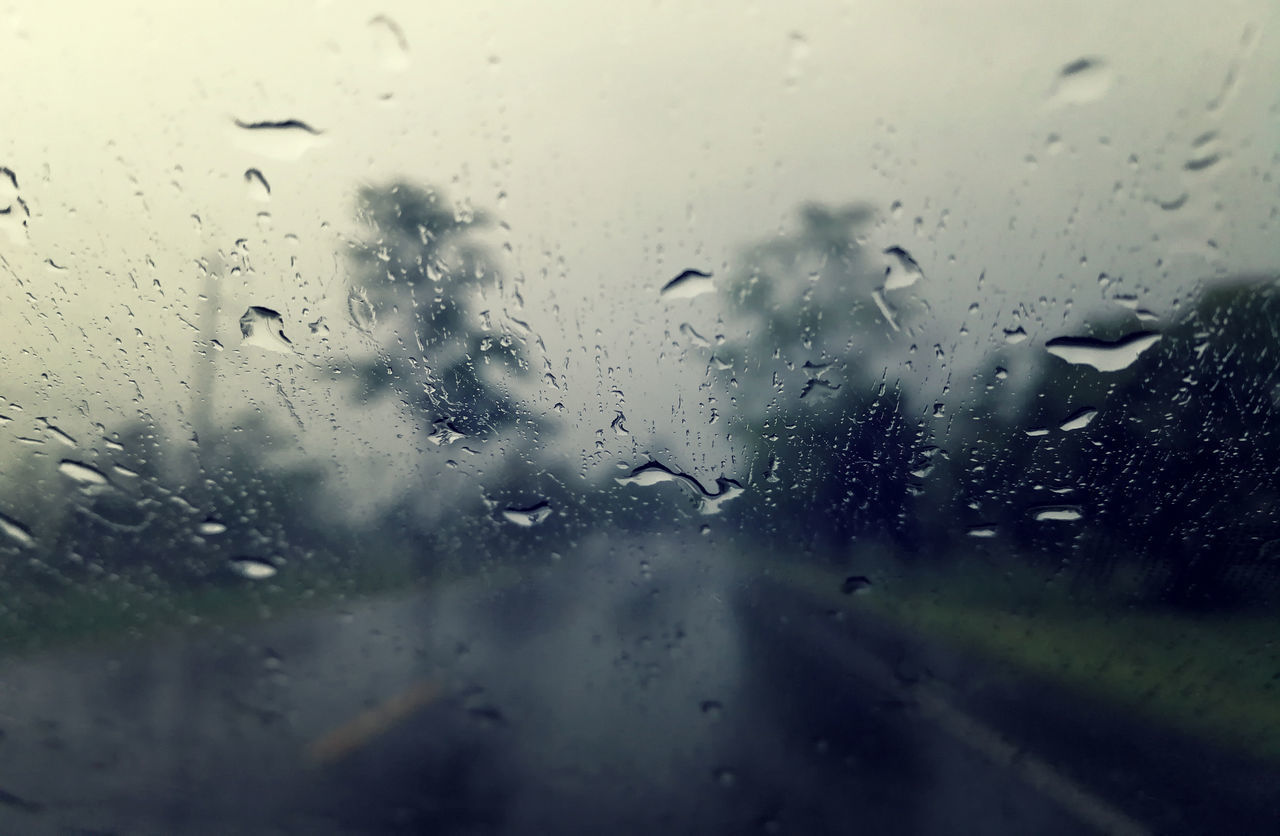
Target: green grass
(1214,676)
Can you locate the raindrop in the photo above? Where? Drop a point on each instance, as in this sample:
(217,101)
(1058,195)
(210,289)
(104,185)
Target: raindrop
(982,531)
(1201,163)
(82,474)
(361,310)
(253,568)
(1036,432)
(264,328)
(819,389)
(392,43)
(728,490)
(855,583)
(693,336)
(16,531)
(287,139)
(1057,513)
(903,271)
(1100,354)
(57,434)
(1013,336)
(211,527)
(442,432)
(1080,419)
(1001,373)
(687,285)
(653,473)
(528,517)
(259,188)
(1080,82)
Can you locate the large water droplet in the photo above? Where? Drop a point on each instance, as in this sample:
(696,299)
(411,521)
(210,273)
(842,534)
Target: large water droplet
(653,473)
(726,491)
(57,434)
(1013,336)
(211,527)
(253,568)
(1080,419)
(442,433)
(687,285)
(693,336)
(1100,354)
(903,271)
(287,139)
(82,474)
(360,309)
(855,583)
(530,516)
(1057,513)
(391,43)
(1080,82)
(16,531)
(259,188)
(264,328)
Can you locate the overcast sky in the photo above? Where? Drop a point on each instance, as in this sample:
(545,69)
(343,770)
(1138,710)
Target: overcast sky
(620,144)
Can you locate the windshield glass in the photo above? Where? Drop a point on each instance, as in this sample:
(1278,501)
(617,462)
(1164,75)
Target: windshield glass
(736,418)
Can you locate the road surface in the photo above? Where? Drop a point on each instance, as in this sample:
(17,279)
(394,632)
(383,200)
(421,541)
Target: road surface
(643,687)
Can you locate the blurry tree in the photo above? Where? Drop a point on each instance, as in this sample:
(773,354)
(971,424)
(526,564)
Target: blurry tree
(419,283)
(1178,475)
(818,323)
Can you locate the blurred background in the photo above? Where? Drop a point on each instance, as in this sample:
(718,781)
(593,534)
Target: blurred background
(506,419)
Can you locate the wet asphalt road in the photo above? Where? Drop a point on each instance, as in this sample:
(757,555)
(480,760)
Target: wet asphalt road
(627,689)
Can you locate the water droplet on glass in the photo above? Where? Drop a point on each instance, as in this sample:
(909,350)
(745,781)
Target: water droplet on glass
(287,139)
(855,583)
(1057,513)
(1013,336)
(16,531)
(654,473)
(728,490)
(528,517)
(264,328)
(442,433)
(361,311)
(902,271)
(1080,82)
(1036,432)
(982,531)
(1001,373)
(1100,354)
(57,434)
(253,568)
(259,188)
(1202,162)
(693,336)
(687,285)
(391,43)
(819,389)
(1080,419)
(82,474)
(211,527)
(712,708)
